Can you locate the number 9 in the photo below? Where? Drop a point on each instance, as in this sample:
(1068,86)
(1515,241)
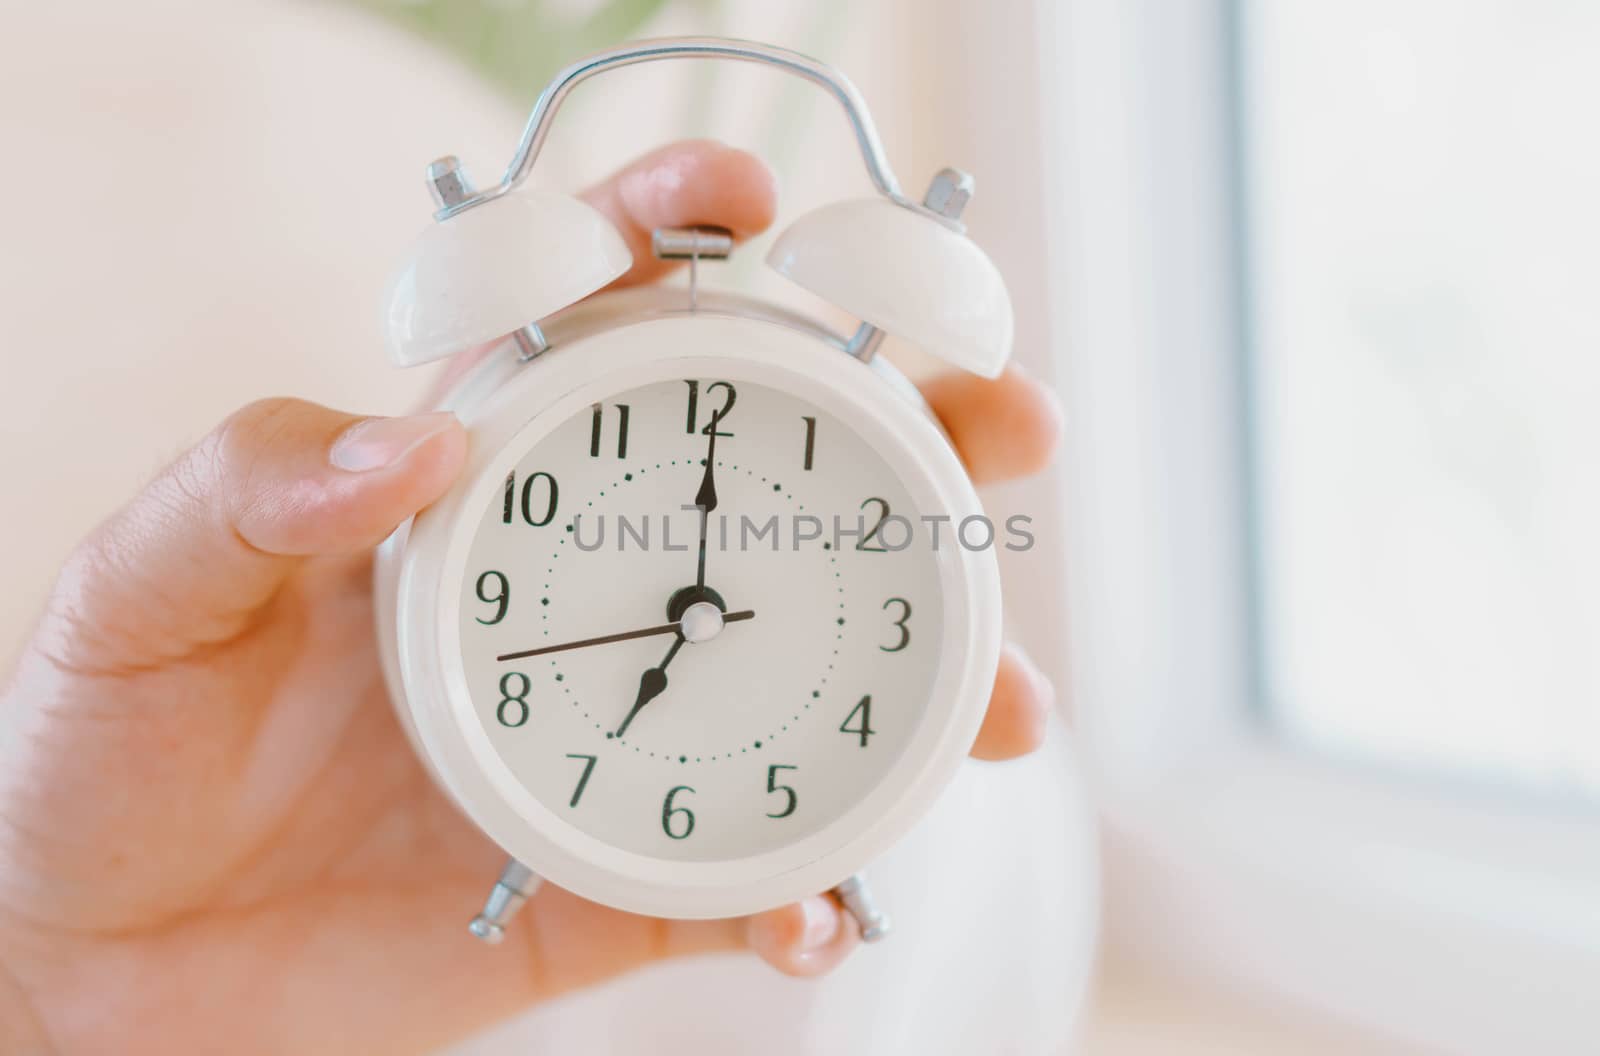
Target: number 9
(501,598)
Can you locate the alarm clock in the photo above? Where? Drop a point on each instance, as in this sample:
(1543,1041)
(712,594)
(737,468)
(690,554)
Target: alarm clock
(712,614)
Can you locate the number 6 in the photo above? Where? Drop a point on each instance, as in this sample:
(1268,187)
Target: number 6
(668,810)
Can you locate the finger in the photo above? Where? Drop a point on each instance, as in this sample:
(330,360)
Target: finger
(380,934)
(803,939)
(1018,709)
(1003,428)
(197,554)
(693,182)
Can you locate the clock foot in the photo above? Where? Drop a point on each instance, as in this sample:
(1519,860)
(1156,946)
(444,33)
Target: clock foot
(516,884)
(859,903)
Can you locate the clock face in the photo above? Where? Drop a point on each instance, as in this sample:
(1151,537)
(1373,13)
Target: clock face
(701,707)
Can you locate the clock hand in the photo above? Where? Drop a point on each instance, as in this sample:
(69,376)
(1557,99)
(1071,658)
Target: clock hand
(706,499)
(651,683)
(606,639)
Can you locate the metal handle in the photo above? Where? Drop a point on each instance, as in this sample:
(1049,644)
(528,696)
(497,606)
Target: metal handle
(820,74)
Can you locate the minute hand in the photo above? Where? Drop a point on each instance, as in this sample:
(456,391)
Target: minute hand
(606,639)
(706,500)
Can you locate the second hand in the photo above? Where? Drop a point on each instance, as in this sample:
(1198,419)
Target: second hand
(605,639)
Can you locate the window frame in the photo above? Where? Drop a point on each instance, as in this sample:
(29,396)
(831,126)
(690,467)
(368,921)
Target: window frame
(1436,913)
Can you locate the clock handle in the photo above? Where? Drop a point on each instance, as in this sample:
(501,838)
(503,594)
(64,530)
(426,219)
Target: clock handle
(818,73)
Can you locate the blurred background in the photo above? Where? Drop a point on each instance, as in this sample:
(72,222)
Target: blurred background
(1317,281)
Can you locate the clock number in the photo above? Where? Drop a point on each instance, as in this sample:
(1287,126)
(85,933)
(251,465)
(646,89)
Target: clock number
(811,438)
(527,499)
(583,780)
(598,427)
(865,730)
(773,786)
(668,811)
(513,708)
(501,598)
(883,515)
(899,625)
(693,417)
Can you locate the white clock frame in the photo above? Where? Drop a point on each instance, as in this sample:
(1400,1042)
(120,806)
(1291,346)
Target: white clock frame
(618,346)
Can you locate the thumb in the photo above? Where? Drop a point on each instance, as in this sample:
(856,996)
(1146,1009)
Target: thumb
(193,558)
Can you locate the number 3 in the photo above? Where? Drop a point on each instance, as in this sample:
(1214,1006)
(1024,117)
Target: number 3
(900,625)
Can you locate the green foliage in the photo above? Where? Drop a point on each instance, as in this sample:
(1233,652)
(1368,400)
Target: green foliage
(518,44)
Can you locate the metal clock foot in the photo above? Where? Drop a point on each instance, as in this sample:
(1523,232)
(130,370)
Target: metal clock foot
(859,903)
(516,885)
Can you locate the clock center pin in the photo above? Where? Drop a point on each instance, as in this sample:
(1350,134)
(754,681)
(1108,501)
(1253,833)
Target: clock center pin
(701,622)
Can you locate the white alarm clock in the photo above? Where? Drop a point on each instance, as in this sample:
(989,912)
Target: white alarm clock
(713,613)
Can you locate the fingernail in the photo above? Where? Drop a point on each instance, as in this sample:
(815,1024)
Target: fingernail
(377,442)
(821,923)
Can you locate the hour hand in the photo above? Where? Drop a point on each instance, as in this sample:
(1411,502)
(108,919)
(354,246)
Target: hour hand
(651,684)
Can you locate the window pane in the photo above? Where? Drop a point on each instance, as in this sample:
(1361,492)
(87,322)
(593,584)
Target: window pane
(1422,188)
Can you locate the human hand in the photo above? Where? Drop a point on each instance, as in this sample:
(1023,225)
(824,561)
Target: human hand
(213,835)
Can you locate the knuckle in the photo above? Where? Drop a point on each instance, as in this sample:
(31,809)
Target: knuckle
(245,433)
(225,465)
